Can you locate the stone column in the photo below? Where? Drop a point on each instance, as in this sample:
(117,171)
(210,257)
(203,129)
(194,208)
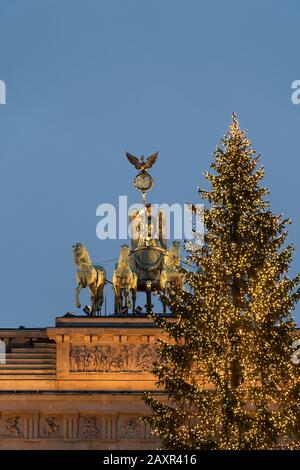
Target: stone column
(31,426)
(71,426)
(62,355)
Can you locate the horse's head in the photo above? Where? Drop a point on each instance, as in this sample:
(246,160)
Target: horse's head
(124,254)
(76,252)
(174,253)
(80,254)
(77,247)
(125,250)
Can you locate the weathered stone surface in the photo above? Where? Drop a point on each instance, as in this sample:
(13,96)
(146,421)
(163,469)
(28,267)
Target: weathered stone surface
(112,358)
(74,421)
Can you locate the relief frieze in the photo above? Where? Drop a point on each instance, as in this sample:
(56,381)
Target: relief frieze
(112,358)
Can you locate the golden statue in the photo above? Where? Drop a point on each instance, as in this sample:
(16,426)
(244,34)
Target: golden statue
(124,282)
(141,164)
(171,275)
(148,229)
(147,267)
(156,268)
(90,277)
(143,181)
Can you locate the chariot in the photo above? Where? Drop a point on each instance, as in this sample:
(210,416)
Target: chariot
(145,267)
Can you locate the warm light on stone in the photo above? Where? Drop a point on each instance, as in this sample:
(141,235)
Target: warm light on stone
(77,385)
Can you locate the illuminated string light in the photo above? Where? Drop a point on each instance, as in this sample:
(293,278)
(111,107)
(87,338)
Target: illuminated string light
(225,365)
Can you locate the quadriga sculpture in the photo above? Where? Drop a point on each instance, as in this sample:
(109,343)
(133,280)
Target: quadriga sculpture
(90,277)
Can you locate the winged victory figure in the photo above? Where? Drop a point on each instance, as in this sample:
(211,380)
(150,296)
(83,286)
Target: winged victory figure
(141,164)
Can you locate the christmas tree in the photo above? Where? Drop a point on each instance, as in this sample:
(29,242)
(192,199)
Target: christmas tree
(225,361)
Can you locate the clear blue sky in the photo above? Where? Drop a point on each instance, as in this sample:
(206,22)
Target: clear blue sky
(88,79)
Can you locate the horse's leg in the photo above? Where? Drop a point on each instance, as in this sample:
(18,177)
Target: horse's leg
(115,289)
(166,293)
(127,298)
(117,299)
(148,297)
(120,299)
(123,300)
(162,286)
(164,290)
(133,293)
(97,304)
(94,298)
(78,289)
(164,303)
(100,298)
